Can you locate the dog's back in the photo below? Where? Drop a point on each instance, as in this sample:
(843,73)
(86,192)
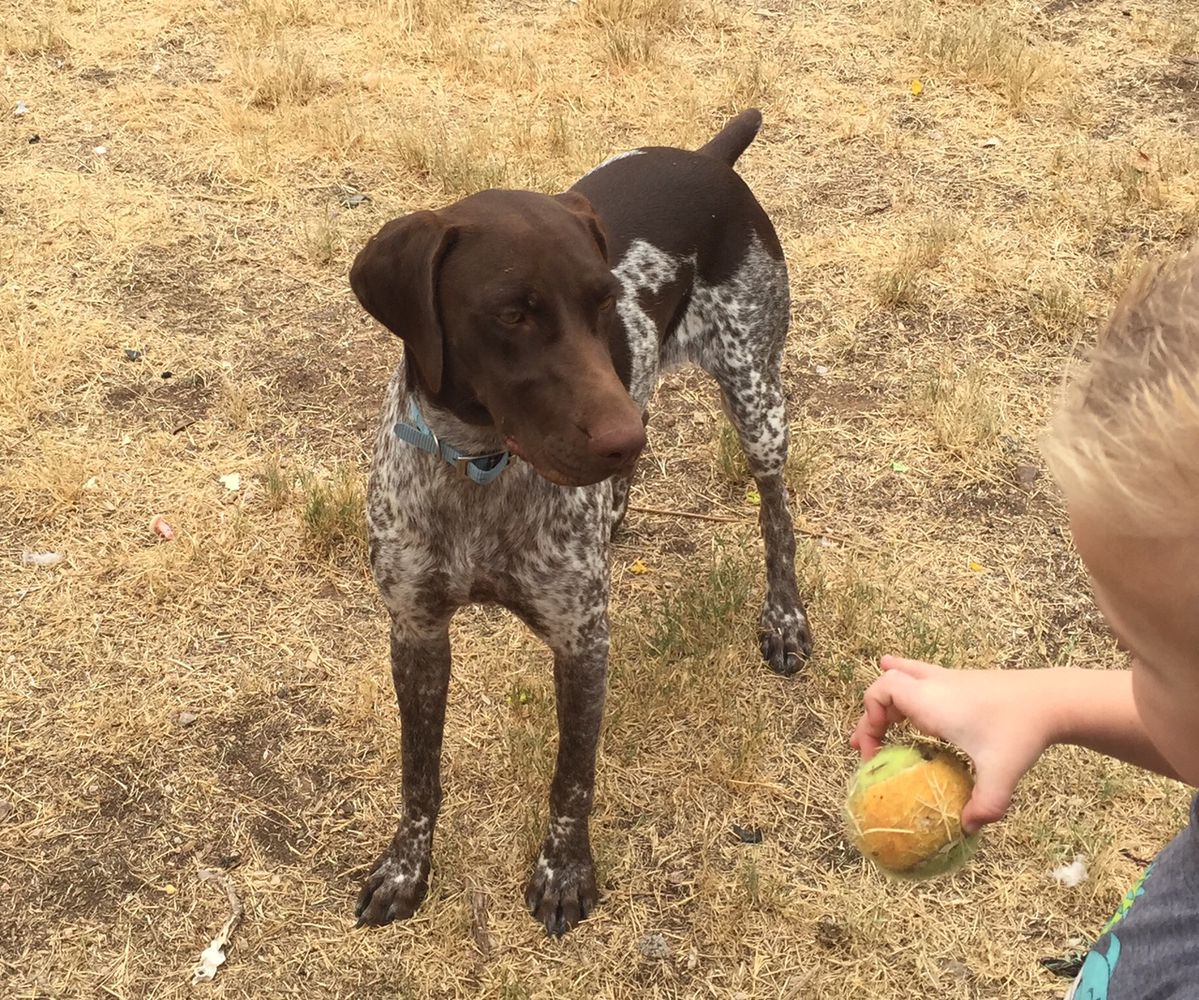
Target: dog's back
(690,204)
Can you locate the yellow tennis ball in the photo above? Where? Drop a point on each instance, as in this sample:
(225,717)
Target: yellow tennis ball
(904,811)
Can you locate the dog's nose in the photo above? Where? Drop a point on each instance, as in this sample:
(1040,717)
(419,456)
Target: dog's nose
(618,445)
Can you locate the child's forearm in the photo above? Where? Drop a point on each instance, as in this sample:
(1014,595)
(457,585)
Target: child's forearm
(1096,709)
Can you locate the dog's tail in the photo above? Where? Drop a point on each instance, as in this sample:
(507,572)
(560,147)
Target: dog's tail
(732,140)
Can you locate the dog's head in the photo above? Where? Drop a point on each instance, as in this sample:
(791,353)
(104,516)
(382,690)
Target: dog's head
(505,302)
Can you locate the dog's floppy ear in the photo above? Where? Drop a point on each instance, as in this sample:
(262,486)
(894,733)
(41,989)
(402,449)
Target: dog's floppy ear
(583,210)
(395,279)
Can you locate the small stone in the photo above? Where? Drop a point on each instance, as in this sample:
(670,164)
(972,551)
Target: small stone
(830,934)
(1027,474)
(132,354)
(185,719)
(346,808)
(957,969)
(654,947)
(1067,967)
(6,809)
(747,834)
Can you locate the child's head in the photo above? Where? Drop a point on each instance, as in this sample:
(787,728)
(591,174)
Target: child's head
(1125,443)
(1124,447)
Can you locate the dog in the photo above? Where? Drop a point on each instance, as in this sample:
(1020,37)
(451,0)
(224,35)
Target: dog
(534,330)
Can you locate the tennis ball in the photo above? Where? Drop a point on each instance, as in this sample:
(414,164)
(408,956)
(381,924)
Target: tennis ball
(904,811)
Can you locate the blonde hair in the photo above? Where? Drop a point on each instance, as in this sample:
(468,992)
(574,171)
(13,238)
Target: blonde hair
(1124,443)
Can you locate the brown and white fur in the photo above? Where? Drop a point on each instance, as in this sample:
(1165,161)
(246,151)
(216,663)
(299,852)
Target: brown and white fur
(539,325)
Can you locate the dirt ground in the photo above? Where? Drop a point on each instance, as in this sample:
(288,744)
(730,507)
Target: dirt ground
(961,189)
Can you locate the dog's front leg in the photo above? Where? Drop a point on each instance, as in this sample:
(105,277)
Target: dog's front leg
(561,890)
(420,668)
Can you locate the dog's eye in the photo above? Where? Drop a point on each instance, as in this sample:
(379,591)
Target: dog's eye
(607,302)
(510,317)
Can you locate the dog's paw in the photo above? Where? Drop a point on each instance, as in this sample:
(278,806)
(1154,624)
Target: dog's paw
(560,894)
(785,638)
(393,890)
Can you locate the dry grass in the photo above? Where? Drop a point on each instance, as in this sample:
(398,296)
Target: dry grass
(332,512)
(222,700)
(902,282)
(631,28)
(278,76)
(963,413)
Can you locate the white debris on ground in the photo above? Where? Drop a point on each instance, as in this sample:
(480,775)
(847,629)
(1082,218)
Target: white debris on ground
(41,558)
(1073,874)
(213,957)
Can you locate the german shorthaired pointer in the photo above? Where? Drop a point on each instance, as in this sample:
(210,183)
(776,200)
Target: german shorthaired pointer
(535,328)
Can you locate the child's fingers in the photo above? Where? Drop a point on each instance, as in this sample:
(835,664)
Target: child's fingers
(865,740)
(891,697)
(881,711)
(913,668)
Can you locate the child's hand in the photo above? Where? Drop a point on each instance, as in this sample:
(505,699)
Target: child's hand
(1000,718)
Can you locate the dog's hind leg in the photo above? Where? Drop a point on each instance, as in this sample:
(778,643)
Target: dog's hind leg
(783,628)
(746,325)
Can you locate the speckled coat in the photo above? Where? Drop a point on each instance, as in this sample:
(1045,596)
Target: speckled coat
(702,281)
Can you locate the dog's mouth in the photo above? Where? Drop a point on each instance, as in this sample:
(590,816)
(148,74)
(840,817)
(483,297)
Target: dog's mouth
(514,448)
(559,473)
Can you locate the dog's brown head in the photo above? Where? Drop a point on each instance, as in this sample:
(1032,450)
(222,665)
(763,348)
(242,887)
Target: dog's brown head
(506,305)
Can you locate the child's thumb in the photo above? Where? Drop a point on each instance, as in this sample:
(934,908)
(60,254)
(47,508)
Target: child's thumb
(990,801)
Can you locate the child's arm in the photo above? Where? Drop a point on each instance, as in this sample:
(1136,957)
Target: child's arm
(1005,719)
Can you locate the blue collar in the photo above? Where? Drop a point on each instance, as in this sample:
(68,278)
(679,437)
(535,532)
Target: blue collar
(481,469)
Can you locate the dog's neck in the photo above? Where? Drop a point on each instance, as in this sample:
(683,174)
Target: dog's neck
(458,405)
(468,437)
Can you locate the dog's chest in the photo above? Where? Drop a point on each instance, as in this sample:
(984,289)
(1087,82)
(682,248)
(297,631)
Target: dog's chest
(437,538)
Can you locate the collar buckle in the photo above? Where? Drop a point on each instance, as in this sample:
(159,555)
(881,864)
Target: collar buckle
(463,464)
